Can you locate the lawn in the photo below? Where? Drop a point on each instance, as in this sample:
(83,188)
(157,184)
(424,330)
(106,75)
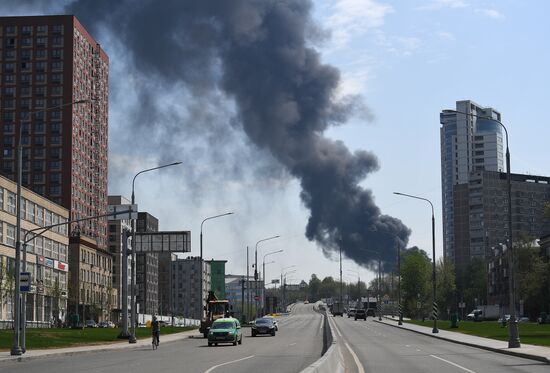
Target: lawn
(56,338)
(529,333)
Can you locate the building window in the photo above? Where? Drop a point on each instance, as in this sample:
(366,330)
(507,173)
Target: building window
(57,29)
(10,235)
(26,30)
(41,54)
(57,54)
(26,54)
(41,29)
(11,202)
(41,42)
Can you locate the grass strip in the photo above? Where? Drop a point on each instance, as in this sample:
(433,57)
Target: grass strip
(42,338)
(529,333)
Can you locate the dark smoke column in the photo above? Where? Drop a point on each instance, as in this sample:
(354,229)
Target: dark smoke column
(286,100)
(258,53)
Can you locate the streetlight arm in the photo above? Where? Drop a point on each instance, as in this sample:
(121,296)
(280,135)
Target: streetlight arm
(266,239)
(271,253)
(147,170)
(421,198)
(214,217)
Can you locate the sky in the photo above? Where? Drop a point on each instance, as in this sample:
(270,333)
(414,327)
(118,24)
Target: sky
(406,60)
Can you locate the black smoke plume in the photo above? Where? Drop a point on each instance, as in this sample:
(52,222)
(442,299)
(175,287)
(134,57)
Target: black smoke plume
(259,54)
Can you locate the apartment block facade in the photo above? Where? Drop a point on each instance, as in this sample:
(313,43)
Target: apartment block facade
(46,256)
(47,64)
(188,297)
(470,142)
(481,221)
(147,266)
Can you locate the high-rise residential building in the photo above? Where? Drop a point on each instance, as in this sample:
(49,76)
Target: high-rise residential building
(116,230)
(187,295)
(49,62)
(481,222)
(46,255)
(165,280)
(470,142)
(147,265)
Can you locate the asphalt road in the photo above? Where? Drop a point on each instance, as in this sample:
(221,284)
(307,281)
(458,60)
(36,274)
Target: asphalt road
(297,344)
(385,349)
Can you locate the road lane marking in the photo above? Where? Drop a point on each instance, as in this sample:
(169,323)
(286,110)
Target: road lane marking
(453,364)
(356,359)
(229,362)
(360,368)
(292,344)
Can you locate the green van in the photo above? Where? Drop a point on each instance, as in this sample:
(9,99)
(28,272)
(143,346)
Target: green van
(227,330)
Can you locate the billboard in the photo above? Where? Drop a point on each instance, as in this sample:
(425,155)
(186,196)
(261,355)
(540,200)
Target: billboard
(159,242)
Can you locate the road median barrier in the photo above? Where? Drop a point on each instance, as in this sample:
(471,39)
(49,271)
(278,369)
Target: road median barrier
(331,360)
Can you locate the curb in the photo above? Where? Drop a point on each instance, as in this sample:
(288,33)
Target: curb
(110,347)
(504,352)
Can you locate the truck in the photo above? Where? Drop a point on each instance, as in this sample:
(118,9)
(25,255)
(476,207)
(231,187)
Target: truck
(337,309)
(486,312)
(214,309)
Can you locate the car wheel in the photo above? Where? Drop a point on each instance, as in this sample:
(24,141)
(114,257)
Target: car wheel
(235,343)
(209,344)
(241,340)
(253,334)
(215,344)
(273,333)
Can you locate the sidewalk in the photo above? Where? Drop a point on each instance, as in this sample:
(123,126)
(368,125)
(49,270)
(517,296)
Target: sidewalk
(533,352)
(123,344)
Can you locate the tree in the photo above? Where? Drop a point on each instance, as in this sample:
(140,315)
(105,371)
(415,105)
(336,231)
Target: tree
(472,283)
(415,281)
(314,288)
(446,286)
(7,284)
(531,278)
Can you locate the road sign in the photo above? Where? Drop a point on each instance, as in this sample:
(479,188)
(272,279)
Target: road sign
(124,215)
(159,242)
(276,281)
(462,305)
(256,298)
(25,282)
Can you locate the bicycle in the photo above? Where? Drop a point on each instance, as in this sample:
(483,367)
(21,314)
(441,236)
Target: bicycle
(155,341)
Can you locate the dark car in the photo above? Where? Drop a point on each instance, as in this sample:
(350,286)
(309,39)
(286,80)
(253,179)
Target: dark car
(360,314)
(370,312)
(263,326)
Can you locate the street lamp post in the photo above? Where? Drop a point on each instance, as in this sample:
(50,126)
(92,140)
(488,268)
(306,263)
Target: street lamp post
(513,338)
(256,266)
(19,306)
(281,284)
(132,338)
(399,309)
(265,277)
(202,273)
(358,284)
(434,305)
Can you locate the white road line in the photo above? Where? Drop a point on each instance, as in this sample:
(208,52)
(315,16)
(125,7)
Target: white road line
(356,359)
(229,362)
(292,344)
(453,364)
(360,368)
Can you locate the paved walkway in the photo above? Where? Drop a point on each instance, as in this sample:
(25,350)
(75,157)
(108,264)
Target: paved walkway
(539,353)
(31,354)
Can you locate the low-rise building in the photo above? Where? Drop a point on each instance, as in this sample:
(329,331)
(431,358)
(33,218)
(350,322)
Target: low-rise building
(46,255)
(188,297)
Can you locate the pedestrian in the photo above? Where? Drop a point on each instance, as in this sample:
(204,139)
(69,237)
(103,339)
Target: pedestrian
(155,331)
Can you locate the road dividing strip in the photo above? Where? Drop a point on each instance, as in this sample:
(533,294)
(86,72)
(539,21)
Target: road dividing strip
(229,362)
(453,364)
(360,368)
